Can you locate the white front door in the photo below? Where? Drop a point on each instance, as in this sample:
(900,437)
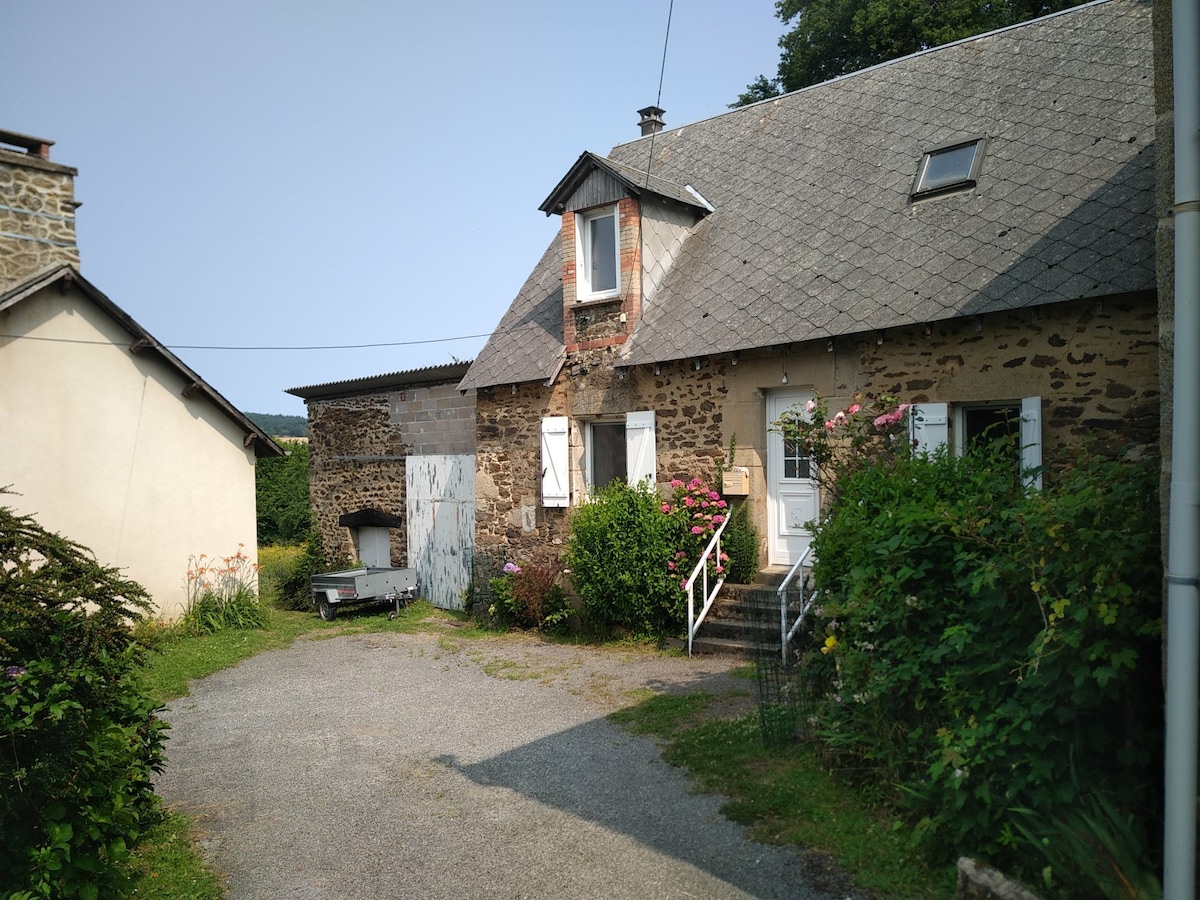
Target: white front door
(792,498)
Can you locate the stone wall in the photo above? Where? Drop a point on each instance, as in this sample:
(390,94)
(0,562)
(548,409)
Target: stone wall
(37,217)
(510,517)
(358,445)
(1093,363)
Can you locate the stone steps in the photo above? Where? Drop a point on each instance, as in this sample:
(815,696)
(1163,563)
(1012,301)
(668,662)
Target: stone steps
(744,620)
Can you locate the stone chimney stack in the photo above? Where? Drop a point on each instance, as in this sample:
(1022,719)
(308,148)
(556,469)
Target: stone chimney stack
(37,210)
(652,120)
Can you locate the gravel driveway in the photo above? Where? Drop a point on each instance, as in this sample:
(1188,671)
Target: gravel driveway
(388,765)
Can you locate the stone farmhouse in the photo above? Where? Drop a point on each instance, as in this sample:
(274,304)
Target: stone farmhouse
(106,437)
(970,229)
(392,474)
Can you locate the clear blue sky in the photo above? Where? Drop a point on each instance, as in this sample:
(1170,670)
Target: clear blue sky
(295,173)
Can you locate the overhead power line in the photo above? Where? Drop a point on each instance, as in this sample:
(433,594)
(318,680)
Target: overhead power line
(173,347)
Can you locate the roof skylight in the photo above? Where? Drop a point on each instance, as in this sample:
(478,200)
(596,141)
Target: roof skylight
(947,168)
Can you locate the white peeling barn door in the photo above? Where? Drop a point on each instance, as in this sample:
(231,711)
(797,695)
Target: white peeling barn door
(441,526)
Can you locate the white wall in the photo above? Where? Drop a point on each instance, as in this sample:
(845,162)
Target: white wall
(103,447)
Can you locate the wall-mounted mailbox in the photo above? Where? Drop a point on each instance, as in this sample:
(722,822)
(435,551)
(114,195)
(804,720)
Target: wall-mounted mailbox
(735,482)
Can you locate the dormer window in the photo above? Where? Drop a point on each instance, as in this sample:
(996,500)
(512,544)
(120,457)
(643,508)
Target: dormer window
(597,252)
(951,167)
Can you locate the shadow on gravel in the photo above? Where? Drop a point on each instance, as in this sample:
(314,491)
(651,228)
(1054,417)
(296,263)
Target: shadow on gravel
(600,773)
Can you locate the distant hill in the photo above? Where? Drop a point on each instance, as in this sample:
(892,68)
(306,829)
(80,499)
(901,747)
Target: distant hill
(280,426)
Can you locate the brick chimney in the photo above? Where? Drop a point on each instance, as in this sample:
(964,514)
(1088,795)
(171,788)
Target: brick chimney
(652,120)
(37,210)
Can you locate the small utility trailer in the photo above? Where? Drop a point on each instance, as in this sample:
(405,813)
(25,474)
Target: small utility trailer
(365,585)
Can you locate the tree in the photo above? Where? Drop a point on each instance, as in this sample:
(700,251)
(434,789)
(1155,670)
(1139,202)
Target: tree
(832,37)
(281,489)
(79,739)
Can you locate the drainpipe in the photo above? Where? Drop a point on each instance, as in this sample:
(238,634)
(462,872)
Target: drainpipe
(1183,549)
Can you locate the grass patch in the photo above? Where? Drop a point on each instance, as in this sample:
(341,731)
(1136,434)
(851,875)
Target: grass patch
(665,716)
(785,796)
(167,867)
(179,658)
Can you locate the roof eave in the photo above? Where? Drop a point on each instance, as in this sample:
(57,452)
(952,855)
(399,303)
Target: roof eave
(143,340)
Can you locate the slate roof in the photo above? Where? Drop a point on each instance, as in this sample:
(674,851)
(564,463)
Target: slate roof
(637,180)
(813,233)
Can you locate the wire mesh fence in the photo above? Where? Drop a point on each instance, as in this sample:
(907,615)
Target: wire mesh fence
(485,566)
(785,702)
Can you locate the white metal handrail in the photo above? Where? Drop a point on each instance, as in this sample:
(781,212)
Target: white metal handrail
(701,572)
(786,633)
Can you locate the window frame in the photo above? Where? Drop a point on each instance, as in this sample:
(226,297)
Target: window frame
(935,424)
(584,223)
(921,192)
(589,448)
(641,451)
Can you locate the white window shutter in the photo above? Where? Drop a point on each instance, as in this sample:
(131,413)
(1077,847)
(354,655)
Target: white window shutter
(640,459)
(929,424)
(555,461)
(1031,442)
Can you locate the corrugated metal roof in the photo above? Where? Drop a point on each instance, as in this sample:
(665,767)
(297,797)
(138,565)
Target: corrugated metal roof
(429,375)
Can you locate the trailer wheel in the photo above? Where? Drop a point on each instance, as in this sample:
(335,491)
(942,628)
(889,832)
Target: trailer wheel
(327,610)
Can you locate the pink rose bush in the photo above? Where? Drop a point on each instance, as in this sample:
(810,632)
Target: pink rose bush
(841,442)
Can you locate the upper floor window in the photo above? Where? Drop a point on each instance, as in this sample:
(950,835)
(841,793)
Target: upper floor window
(948,168)
(598,269)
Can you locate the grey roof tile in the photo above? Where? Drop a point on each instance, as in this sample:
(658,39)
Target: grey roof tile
(813,231)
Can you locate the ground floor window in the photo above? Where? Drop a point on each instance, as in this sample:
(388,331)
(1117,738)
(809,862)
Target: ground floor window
(962,426)
(606,453)
(612,448)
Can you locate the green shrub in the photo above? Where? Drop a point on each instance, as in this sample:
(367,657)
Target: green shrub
(740,542)
(222,592)
(79,741)
(276,567)
(974,638)
(621,556)
(529,595)
(290,584)
(631,554)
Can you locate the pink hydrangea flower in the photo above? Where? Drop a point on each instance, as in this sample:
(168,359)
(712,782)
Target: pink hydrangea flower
(853,408)
(810,406)
(676,483)
(717,520)
(696,529)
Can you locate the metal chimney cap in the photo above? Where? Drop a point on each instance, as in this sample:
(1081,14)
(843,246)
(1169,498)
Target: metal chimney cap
(652,119)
